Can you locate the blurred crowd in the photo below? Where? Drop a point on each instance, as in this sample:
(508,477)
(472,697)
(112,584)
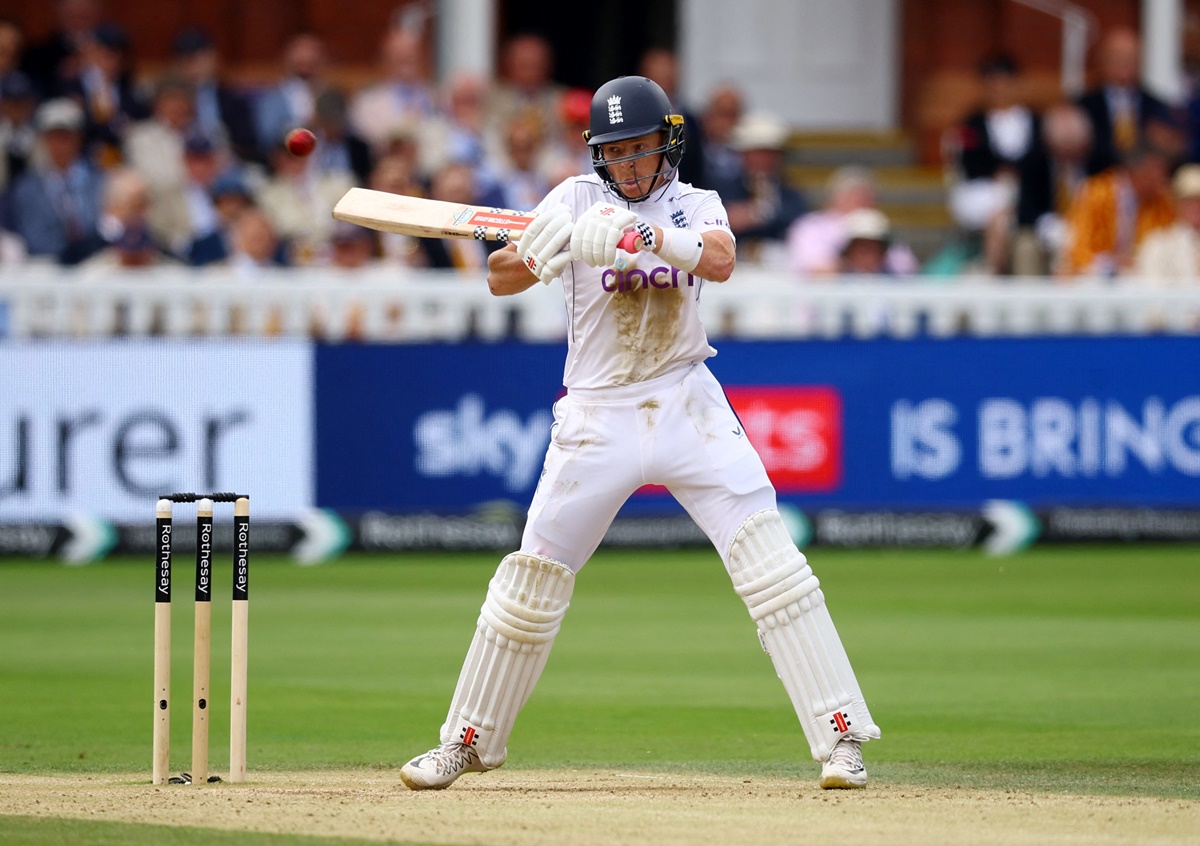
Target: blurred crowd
(101,167)
(1104,185)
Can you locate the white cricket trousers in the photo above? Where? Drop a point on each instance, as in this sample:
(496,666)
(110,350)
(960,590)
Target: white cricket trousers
(676,430)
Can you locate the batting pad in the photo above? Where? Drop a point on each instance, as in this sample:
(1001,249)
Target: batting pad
(526,602)
(794,626)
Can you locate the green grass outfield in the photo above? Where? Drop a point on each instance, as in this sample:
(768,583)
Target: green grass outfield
(1072,669)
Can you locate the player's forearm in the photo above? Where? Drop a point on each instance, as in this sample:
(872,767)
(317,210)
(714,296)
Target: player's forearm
(507,274)
(717,260)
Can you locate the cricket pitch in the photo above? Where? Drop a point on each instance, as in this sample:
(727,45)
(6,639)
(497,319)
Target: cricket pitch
(584,807)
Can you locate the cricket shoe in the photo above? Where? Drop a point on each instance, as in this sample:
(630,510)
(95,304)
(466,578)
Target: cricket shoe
(438,768)
(844,767)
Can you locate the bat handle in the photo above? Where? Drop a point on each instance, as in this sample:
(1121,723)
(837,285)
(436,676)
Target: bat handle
(627,249)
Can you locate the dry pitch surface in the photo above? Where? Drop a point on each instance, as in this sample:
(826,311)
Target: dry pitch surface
(538,807)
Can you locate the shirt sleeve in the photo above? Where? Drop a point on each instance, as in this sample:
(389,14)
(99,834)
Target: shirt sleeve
(709,215)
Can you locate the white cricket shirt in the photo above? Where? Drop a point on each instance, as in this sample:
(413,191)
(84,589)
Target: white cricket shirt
(632,326)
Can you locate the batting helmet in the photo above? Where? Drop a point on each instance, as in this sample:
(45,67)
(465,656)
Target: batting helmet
(630,107)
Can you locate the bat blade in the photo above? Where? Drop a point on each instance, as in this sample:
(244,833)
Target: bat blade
(424,218)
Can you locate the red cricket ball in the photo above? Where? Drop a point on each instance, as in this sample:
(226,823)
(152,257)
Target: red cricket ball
(300,142)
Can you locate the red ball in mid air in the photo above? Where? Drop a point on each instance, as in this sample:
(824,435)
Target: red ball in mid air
(300,142)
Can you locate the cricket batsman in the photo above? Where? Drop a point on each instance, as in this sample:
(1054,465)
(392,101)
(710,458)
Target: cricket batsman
(641,408)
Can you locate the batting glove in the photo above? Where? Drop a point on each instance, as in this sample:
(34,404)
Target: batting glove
(541,246)
(597,233)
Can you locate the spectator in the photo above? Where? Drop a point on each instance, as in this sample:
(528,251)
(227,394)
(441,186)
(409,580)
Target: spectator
(1048,182)
(257,251)
(405,144)
(994,140)
(1114,211)
(230,197)
(1191,84)
(182,216)
(12,248)
(223,113)
(352,249)
(527,86)
(462,132)
(54,63)
(123,234)
(18,99)
(565,155)
(292,102)
(403,99)
(397,175)
(988,149)
(299,203)
(1119,108)
(59,196)
(340,151)
(722,164)
(155,146)
(1171,256)
(455,183)
(865,253)
(762,205)
(105,88)
(255,245)
(12,37)
(18,135)
(868,237)
(520,184)
(12,252)
(815,241)
(353,246)
(662,66)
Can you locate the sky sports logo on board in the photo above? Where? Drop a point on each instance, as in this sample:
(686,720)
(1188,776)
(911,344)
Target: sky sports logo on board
(472,439)
(797,431)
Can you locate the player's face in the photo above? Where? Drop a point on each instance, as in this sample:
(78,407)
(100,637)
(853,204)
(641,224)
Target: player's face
(633,165)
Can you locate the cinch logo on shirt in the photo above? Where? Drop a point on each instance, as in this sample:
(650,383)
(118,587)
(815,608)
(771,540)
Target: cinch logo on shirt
(797,431)
(664,276)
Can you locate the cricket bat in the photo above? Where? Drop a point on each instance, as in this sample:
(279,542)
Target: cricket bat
(422,218)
